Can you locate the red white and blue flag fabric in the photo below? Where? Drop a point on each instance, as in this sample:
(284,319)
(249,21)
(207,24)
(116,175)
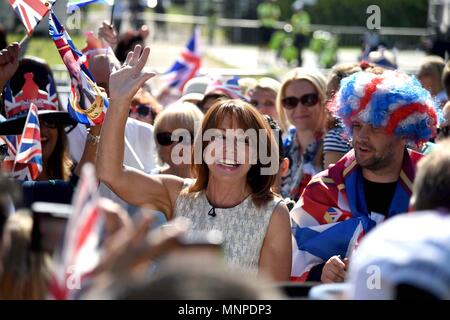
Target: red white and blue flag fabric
(331,216)
(11,142)
(227,86)
(80,252)
(24,159)
(186,66)
(30,93)
(87,103)
(31,12)
(73,5)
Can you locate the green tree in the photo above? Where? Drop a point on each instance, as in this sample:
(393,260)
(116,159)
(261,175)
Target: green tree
(398,13)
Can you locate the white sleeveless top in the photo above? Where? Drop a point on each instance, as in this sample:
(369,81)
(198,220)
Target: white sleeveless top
(243,226)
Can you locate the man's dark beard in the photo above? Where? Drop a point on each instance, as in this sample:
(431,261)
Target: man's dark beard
(377,162)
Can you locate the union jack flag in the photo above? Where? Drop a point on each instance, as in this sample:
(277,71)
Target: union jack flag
(186,66)
(331,216)
(11,142)
(25,161)
(31,12)
(80,252)
(87,103)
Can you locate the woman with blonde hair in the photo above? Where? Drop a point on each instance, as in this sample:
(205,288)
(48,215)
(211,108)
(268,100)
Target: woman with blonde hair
(231,193)
(180,115)
(301,106)
(263,96)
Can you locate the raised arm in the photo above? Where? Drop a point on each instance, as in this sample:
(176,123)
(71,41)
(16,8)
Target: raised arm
(133,186)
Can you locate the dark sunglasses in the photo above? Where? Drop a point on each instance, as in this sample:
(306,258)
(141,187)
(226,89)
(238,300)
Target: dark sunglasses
(308,100)
(51,124)
(142,110)
(165,138)
(443,131)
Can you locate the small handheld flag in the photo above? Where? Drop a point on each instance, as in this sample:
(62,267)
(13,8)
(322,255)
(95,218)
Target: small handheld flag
(73,5)
(24,159)
(80,252)
(31,12)
(87,103)
(29,153)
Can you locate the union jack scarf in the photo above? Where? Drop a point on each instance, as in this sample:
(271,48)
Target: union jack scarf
(331,216)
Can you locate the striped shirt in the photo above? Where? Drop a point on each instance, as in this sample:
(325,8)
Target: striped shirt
(336,140)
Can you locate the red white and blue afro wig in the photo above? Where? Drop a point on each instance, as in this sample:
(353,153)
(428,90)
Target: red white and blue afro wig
(391,100)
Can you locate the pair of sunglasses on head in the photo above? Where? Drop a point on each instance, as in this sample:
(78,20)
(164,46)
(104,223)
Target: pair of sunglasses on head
(307,100)
(167,139)
(142,109)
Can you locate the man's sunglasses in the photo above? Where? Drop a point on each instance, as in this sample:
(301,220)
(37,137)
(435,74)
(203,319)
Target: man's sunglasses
(443,131)
(143,110)
(165,138)
(308,100)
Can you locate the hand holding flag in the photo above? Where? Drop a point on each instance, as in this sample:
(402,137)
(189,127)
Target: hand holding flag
(9,62)
(108,34)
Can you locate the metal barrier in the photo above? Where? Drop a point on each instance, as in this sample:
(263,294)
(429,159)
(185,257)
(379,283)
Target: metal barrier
(176,28)
(349,35)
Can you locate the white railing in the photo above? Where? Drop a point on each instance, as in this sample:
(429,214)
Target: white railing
(247,23)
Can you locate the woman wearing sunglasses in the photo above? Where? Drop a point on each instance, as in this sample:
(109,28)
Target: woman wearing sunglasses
(229,195)
(181,115)
(144,107)
(303,115)
(27,81)
(33,82)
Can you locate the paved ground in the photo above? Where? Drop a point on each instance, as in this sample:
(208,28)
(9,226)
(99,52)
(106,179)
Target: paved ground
(246,57)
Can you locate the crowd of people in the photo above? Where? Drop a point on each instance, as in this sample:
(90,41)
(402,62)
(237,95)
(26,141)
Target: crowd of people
(187,184)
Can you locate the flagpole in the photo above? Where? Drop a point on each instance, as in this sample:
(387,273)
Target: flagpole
(23,40)
(112,13)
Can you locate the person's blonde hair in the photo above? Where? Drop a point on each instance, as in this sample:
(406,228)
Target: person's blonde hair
(316,78)
(434,67)
(265,83)
(24,274)
(179,115)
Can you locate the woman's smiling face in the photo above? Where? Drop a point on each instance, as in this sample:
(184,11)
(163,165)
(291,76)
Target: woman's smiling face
(228,153)
(303,117)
